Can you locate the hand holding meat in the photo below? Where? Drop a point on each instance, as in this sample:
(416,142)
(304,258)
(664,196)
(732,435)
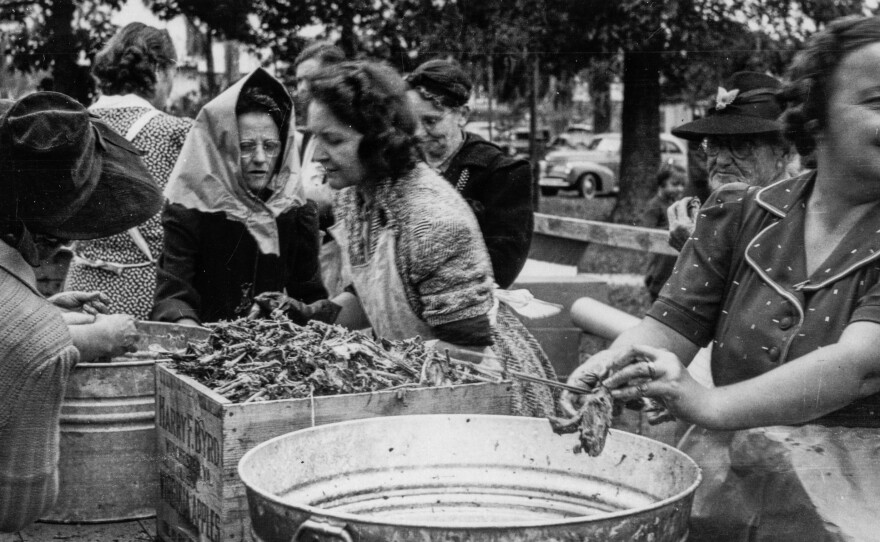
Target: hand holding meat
(642,371)
(271,304)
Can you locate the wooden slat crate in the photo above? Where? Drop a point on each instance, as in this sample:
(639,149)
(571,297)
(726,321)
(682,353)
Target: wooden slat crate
(202,436)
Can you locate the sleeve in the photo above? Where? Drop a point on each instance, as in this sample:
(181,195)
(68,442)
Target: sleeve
(476,331)
(691,301)
(868,306)
(176,296)
(29,453)
(447,267)
(507,218)
(303,265)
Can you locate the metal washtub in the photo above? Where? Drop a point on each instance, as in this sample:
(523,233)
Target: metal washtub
(107,466)
(464,478)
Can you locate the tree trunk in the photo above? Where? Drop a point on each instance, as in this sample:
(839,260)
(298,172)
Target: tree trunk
(600,96)
(533,125)
(640,144)
(61,47)
(210,70)
(490,95)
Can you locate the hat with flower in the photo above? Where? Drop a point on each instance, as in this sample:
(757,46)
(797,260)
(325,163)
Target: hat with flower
(745,105)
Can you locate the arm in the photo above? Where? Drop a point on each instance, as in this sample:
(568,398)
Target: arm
(176,298)
(108,336)
(303,265)
(801,390)
(507,218)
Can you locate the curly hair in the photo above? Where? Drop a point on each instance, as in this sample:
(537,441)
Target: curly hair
(129,61)
(811,75)
(371,98)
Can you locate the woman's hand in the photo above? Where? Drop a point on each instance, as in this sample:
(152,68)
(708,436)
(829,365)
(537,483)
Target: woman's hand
(644,371)
(682,217)
(587,375)
(109,336)
(88,302)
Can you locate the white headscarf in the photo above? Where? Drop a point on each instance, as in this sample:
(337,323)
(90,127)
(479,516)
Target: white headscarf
(208,176)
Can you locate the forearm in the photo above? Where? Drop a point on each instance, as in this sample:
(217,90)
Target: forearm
(351,314)
(652,333)
(799,391)
(89,341)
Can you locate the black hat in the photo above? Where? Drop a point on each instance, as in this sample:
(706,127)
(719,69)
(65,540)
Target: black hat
(66,174)
(745,105)
(442,80)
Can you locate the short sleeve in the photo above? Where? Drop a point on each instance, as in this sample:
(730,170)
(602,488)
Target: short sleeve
(692,299)
(868,306)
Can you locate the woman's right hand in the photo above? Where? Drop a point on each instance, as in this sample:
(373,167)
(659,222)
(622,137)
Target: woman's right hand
(117,332)
(587,375)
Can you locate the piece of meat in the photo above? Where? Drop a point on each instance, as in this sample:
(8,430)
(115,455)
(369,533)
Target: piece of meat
(592,421)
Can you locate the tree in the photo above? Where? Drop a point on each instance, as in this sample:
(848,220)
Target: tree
(61,36)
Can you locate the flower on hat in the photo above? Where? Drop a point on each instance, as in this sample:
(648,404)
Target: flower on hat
(725,97)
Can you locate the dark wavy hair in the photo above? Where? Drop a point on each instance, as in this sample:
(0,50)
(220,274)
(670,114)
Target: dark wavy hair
(129,61)
(256,100)
(324,51)
(811,75)
(371,98)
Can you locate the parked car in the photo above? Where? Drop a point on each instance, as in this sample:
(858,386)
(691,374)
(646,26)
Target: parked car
(594,171)
(516,141)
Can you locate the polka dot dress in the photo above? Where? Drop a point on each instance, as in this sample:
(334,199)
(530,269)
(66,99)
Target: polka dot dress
(132,290)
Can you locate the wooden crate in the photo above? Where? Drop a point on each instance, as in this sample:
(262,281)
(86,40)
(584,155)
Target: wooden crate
(202,436)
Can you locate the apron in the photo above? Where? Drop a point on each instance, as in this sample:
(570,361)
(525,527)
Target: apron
(379,287)
(786,483)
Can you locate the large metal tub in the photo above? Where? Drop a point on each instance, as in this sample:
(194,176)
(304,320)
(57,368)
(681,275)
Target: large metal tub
(107,466)
(464,478)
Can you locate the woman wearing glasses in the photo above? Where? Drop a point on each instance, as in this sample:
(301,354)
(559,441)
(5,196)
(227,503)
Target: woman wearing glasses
(134,71)
(236,222)
(742,140)
(497,187)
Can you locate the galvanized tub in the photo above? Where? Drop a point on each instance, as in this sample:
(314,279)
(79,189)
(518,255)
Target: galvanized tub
(107,466)
(464,478)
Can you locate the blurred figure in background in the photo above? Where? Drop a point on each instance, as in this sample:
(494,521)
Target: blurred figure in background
(671,180)
(497,188)
(135,71)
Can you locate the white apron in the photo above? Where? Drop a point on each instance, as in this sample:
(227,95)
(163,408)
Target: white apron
(786,484)
(379,287)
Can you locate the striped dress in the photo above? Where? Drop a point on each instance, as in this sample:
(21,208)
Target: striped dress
(132,290)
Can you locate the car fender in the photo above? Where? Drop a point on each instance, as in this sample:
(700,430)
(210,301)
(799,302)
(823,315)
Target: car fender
(606,176)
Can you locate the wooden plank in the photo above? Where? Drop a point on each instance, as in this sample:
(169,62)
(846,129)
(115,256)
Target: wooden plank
(604,233)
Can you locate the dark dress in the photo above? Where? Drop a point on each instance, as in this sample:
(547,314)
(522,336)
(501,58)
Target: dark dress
(211,266)
(660,266)
(498,189)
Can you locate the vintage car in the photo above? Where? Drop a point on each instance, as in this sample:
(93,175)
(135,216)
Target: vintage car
(593,171)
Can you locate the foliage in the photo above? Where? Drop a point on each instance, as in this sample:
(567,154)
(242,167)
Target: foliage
(61,36)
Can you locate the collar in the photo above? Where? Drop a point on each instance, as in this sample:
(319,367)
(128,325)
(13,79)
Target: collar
(476,151)
(118,101)
(13,263)
(786,199)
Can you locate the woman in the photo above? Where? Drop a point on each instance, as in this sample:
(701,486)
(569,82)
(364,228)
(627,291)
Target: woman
(64,178)
(135,72)
(784,281)
(410,246)
(498,188)
(236,223)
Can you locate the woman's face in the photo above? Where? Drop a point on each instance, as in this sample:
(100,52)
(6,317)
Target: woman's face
(749,159)
(439,129)
(850,140)
(336,147)
(259,142)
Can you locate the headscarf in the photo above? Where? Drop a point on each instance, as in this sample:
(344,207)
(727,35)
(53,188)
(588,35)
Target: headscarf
(441,81)
(208,176)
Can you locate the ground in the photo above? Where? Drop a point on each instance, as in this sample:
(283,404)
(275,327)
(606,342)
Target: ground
(125,531)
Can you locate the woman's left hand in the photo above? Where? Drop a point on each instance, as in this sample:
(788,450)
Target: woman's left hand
(88,302)
(643,371)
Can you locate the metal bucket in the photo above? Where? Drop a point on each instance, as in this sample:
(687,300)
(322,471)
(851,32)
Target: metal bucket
(464,478)
(107,466)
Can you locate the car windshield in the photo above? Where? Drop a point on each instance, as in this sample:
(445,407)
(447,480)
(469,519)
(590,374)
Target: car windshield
(605,144)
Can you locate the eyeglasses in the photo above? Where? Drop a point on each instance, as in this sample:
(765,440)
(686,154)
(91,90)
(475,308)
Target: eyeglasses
(739,148)
(271,147)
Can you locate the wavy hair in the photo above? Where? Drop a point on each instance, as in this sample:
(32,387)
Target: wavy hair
(811,74)
(371,98)
(129,61)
